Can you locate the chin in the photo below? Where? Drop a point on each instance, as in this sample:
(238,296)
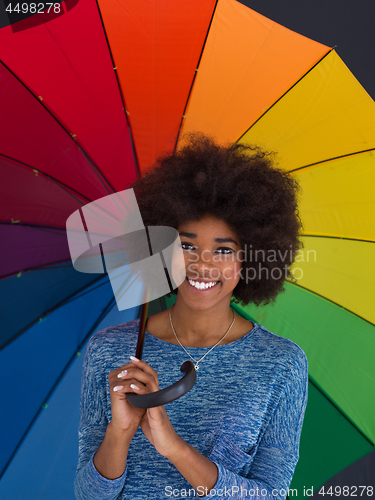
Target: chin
(202,302)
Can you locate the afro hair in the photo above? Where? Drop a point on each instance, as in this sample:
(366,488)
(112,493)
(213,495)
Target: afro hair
(240,185)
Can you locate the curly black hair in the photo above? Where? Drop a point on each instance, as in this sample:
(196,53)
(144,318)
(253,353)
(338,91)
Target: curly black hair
(240,185)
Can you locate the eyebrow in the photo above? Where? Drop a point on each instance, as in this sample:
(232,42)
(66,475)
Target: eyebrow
(217,240)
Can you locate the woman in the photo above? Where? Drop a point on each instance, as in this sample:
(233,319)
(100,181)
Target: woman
(236,433)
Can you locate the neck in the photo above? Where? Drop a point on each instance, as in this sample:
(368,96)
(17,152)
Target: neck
(201,328)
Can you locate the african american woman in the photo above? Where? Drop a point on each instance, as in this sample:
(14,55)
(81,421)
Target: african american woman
(236,433)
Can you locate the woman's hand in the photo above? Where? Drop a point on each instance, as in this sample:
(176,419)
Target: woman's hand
(140,378)
(111,457)
(125,417)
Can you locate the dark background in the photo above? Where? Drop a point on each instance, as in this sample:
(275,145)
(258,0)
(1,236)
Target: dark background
(347,25)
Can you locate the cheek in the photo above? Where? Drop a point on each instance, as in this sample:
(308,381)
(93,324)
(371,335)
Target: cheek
(237,272)
(189,260)
(237,269)
(178,267)
(231,272)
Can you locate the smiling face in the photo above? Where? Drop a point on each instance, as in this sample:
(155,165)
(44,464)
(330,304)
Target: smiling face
(212,263)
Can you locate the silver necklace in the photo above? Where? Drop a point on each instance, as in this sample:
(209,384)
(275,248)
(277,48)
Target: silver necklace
(196,362)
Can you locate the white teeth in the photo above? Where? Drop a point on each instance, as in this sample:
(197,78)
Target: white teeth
(200,285)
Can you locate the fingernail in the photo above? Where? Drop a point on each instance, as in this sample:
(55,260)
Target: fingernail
(117,388)
(134,359)
(122,374)
(133,386)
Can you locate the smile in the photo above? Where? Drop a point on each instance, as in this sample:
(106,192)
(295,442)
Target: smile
(202,285)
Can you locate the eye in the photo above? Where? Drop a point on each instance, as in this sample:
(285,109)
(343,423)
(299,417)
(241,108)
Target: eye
(187,246)
(224,250)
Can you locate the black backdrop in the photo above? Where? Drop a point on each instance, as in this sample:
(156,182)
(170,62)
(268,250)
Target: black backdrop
(347,25)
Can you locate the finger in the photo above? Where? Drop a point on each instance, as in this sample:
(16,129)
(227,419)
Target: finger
(135,362)
(140,370)
(133,372)
(143,365)
(139,388)
(139,375)
(130,384)
(114,373)
(126,387)
(135,387)
(119,388)
(122,374)
(124,367)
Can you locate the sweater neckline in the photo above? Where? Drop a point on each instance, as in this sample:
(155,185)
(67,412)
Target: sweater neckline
(233,343)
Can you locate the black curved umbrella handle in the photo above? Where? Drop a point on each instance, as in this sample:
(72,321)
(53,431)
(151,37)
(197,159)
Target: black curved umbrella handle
(168,394)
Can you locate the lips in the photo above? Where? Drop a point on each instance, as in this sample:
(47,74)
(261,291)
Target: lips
(202,285)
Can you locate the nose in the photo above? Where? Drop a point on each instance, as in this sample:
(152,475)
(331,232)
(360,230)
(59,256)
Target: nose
(201,265)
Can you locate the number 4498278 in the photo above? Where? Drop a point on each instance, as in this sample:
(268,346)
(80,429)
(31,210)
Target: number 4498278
(347,491)
(34,8)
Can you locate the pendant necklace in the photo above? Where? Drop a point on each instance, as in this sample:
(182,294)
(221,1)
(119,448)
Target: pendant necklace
(196,362)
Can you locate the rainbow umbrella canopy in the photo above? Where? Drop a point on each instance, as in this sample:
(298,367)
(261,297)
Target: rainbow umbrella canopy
(88,100)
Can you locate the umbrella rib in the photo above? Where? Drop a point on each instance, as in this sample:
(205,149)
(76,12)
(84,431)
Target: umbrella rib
(332,159)
(277,100)
(332,302)
(322,391)
(68,300)
(91,163)
(23,330)
(109,306)
(37,268)
(58,183)
(337,237)
(135,157)
(195,74)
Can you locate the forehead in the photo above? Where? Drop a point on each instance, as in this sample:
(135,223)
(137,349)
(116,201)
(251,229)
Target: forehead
(208,226)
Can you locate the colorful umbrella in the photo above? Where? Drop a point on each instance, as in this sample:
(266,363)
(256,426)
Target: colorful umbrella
(88,101)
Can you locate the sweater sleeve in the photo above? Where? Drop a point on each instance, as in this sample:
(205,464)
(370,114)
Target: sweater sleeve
(92,428)
(274,460)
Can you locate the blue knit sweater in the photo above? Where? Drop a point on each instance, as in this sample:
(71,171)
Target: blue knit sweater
(244,413)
